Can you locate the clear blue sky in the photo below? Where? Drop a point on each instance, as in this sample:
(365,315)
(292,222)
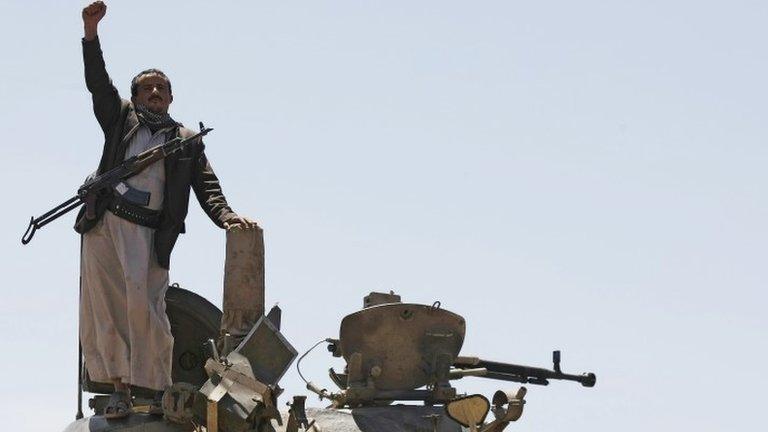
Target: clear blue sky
(588,176)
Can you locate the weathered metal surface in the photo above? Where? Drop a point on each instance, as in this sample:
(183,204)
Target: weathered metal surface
(134,423)
(469,411)
(268,351)
(395,418)
(178,403)
(377,298)
(232,399)
(242,388)
(400,346)
(243,281)
(507,407)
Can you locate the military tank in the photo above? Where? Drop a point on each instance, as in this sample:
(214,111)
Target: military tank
(400,361)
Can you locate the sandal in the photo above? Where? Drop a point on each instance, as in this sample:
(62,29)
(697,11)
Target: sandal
(119,406)
(156,407)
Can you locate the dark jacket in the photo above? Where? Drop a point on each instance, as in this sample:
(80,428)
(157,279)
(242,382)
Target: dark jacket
(183,169)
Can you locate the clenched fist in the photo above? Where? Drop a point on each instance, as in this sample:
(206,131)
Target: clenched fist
(92,14)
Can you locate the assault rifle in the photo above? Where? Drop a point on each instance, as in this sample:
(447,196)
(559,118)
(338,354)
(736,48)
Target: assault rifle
(86,194)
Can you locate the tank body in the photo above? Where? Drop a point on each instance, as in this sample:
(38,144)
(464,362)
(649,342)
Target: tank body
(393,418)
(134,423)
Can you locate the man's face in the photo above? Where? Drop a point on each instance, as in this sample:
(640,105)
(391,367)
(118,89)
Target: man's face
(153,93)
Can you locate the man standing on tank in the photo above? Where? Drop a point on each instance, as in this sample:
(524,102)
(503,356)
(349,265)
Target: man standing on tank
(128,234)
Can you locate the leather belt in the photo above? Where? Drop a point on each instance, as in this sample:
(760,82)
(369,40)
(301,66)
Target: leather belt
(131,212)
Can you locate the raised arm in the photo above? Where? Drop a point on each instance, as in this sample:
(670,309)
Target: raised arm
(92,14)
(106,100)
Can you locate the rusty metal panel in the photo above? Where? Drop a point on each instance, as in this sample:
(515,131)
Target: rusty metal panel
(243,281)
(402,345)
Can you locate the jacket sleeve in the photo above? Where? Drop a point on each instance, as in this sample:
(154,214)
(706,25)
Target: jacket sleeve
(208,191)
(106,100)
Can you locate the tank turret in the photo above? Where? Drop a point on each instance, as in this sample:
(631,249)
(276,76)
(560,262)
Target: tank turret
(397,353)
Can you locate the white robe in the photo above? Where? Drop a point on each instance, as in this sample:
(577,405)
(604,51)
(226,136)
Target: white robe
(124,330)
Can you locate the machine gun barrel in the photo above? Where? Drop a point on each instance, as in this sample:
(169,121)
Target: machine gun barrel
(523,374)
